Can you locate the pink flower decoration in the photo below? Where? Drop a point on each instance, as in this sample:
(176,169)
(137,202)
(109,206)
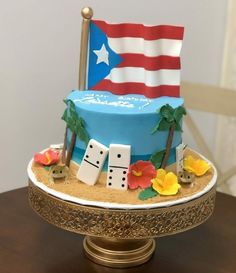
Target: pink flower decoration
(47,158)
(140,174)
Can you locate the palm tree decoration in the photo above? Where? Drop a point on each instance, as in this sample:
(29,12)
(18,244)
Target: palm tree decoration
(77,126)
(170,120)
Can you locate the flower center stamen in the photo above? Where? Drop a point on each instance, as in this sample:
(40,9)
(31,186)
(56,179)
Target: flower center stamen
(136,173)
(48,157)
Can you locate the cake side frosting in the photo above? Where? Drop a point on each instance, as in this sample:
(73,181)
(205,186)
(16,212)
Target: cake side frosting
(127,119)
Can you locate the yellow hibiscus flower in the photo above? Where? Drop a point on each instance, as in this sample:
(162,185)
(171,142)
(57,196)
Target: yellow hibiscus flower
(197,166)
(165,183)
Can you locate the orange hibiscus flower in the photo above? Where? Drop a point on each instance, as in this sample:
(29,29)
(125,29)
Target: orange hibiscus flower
(140,174)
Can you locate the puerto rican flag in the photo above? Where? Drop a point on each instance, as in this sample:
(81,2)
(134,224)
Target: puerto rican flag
(135,59)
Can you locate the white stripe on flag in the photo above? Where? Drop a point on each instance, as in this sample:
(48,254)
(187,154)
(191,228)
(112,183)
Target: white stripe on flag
(169,47)
(150,78)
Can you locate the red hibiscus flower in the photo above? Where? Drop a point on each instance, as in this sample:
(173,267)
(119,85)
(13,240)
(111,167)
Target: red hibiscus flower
(140,174)
(47,158)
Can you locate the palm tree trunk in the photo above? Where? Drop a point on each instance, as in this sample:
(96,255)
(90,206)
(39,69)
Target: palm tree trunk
(63,154)
(70,150)
(168,146)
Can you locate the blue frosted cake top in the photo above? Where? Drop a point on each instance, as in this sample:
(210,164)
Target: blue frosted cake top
(106,102)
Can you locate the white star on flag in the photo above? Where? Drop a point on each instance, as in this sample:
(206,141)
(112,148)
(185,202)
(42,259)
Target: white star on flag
(102,55)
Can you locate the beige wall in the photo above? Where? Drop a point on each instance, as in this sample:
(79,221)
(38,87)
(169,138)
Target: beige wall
(226,129)
(39,49)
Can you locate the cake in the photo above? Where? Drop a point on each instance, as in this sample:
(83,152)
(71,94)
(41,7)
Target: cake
(123,138)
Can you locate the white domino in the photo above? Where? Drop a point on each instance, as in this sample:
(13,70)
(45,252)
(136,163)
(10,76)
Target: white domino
(92,163)
(180,157)
(118,164)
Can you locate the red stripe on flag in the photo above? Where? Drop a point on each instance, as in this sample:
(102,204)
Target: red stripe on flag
(138,88)
(149,63)
(141,31)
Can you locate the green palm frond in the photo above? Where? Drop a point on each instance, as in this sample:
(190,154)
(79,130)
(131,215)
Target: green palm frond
(65,116)
(75,123)
(81,131)
(169,116)
(178,113)
(167,112)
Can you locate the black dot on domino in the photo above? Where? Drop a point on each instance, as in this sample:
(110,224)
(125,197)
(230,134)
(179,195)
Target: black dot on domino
(101,152)
(110,177)
(124,172)
(119,155)
(122,185)
(87,156)
(97,162)
(111,170)
(123,179)
(109,184)
(90,146)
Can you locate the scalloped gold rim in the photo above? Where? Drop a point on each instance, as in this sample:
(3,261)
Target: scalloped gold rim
(121,223)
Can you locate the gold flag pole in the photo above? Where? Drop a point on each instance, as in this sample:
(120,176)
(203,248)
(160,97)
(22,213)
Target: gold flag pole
(87,14)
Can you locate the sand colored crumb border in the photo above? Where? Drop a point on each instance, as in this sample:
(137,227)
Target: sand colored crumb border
(99,192)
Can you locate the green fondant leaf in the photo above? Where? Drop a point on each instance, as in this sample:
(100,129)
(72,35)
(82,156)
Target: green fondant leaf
(156,128)
(166,120)
(47,168)
(164,125)
(81,131)
(82,122)
(72,110)
(75,123)
(169,116)
(147,193)
(83,136)
(65,116)
(178,127)
(167,113)
(156,158)
(178,113)
(71,124)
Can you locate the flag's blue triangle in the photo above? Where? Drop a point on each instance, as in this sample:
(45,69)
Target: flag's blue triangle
(97,72)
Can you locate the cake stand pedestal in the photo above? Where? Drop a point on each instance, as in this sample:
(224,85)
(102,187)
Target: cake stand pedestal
(121,237)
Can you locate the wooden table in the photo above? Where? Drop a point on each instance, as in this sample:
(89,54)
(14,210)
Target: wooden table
(29,244)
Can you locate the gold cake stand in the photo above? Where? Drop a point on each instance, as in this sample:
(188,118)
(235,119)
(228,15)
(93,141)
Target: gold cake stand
(120,237)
